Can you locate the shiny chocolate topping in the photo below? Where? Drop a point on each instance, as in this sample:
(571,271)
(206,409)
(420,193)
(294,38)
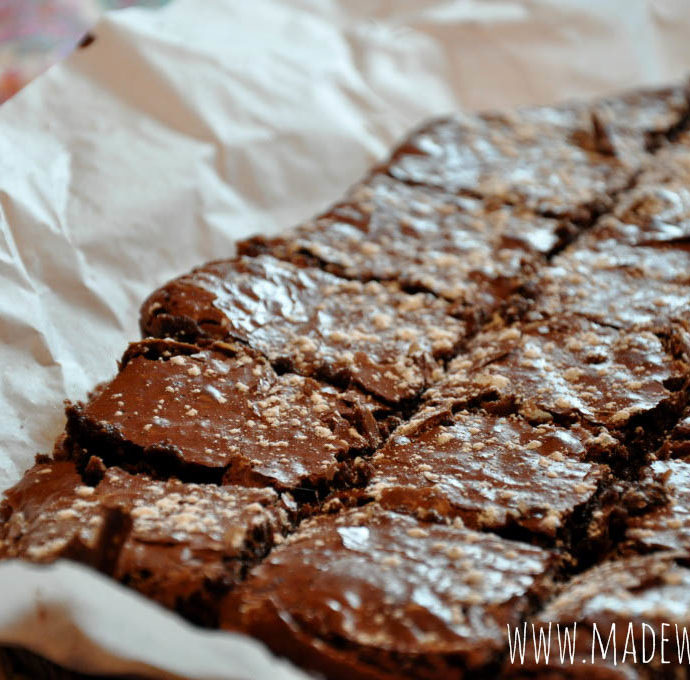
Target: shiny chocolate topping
(454,247)
(668,526)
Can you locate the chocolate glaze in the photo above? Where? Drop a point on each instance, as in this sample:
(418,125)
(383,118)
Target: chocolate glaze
(222,412)
(383,340)
(569,369)
(182,544)
(498,473)
(190,543)
(512,160)
(373,594)
(627,287)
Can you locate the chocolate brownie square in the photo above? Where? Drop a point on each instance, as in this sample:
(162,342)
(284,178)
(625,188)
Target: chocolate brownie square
(373,594)
(183,545)
(386,342)
(500,473)
(564,160)
(50,514)
(655,212)
(571,370)
(617,284)
(631,123)
(222,414)
(522,159)
(616,615)
(455,247)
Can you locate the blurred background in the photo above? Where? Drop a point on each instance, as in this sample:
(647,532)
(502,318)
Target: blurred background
(34,34)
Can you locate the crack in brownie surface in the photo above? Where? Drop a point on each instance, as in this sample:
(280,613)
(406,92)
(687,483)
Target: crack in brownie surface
(387,342)
(570,370)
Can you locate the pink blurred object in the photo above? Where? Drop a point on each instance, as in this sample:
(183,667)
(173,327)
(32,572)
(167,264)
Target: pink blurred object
(34,34)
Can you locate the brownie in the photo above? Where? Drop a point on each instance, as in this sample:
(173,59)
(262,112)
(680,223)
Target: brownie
(513,159)
(652,590)
(625,286)
(567,370)
(655,212)
(667,527)
(567,160)
(633,122)
(374,594)
(51,514)
(477,256)
(499,473)
(183,545)
(387,342)
(222,414)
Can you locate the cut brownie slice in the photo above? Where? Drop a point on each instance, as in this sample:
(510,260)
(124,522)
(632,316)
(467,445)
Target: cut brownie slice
(373,594)
(455,247)
(190,543)
(385,341)
(617,284)
(222,413)
(632,122)
(565,160)
(181,544)
(668,526)
(621,611)
(516,160)
(571,370)
(50,514)
(500,473)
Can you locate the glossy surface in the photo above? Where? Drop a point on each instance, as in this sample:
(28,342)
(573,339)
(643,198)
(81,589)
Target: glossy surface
(564,160)
(512,160)
(567,369)
(618,598)
(385,341)
(397,592)
(618,285)
(181,537)
(667,527)
(224,409)
(491,471)
(425,239)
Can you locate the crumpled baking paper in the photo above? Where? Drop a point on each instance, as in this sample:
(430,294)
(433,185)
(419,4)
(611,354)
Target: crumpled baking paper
(181,130)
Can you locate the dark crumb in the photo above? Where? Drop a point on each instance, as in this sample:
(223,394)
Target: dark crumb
(87,39)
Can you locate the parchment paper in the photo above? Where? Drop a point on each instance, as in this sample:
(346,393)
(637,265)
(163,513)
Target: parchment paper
(177,132)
